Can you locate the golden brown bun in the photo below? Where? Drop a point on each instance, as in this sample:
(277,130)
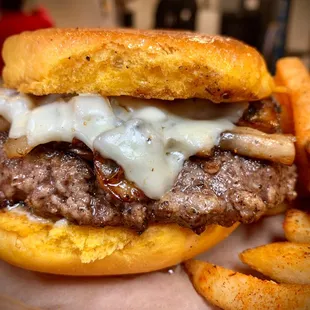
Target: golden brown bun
(147,64)
(80,250)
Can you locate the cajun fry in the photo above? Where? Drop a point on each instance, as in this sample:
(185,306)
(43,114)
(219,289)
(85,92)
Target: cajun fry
(283,262)
(294,75)
(286,118)
(297,226)
(232,290)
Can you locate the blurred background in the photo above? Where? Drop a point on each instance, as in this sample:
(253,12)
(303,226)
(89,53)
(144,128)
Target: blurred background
(275,27)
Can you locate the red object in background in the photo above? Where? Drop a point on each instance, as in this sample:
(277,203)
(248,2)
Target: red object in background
(14,22)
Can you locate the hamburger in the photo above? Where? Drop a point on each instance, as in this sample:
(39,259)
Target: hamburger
(126,151)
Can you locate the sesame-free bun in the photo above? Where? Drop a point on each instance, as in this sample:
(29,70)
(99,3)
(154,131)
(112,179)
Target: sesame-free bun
(147,64)
(81,250)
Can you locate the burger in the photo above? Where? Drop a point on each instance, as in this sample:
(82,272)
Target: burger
(126,151)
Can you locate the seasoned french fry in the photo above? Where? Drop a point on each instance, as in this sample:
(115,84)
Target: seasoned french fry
(286,117)
(294,75)
(297,226)
(232,290)
(285,262)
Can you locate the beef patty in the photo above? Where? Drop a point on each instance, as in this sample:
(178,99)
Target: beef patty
(223,189)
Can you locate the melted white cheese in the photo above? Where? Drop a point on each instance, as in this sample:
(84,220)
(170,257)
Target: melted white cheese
(20,210)
(14,107)
(149,139)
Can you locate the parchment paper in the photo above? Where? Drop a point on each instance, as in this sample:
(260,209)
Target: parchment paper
(169,289)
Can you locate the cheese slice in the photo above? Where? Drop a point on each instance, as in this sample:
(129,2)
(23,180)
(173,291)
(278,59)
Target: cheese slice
(149,139)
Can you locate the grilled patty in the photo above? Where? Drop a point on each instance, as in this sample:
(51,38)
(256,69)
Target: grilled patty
(56,183)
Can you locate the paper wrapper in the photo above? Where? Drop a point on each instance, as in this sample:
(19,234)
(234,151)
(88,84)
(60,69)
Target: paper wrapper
(169,289)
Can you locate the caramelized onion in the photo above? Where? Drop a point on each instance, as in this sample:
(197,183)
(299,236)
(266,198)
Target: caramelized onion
(4,124)
(253,143)
(83,153)
(111,178)
(205,153)
(263,115)
(15,148)
(81,149)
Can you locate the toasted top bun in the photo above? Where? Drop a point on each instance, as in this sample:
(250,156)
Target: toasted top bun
(82,250)
(147,64)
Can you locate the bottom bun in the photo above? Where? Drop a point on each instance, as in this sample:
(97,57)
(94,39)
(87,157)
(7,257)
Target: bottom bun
(69,249)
